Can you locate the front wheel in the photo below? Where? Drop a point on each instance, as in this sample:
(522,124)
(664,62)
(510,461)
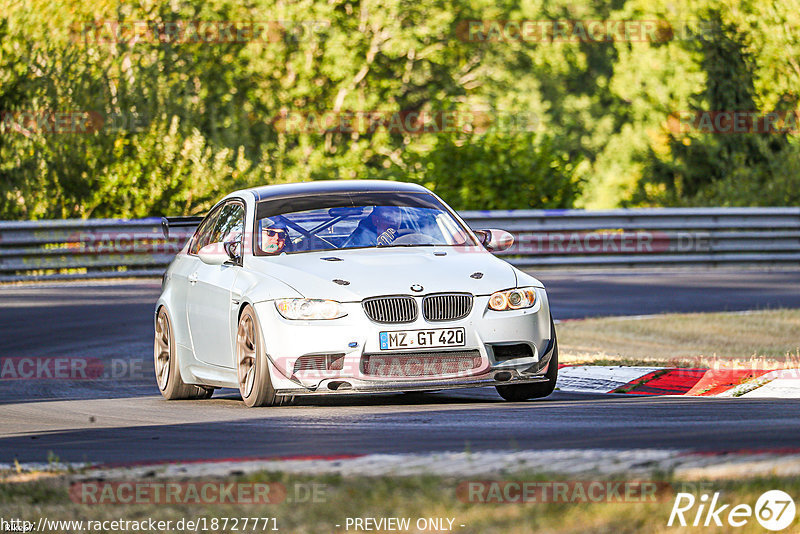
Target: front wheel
(522,392)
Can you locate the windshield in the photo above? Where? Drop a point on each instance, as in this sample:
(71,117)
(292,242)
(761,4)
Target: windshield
(356,220)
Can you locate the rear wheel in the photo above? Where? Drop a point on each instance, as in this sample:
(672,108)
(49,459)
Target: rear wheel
(255,384)
(168,375)
(522,392)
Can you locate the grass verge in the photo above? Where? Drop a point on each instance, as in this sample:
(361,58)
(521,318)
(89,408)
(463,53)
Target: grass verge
(763,339)
(338,498)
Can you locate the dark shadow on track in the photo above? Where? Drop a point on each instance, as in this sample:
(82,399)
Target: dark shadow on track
(571,422)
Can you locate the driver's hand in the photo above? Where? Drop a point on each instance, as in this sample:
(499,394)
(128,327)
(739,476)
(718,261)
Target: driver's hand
(387,237)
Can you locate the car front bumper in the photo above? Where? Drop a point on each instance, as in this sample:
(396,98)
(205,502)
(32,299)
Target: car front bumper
(355,336)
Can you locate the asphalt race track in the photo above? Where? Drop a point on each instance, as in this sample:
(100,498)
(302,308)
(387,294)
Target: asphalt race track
(145,429)
(119,417)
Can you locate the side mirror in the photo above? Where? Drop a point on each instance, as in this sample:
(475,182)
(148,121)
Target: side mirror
(495,240)
(215,254)
(234,250)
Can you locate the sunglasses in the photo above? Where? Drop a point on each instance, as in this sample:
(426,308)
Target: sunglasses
(273,233)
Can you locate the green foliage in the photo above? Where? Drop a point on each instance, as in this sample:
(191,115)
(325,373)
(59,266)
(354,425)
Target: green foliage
(180,123)
(718,168)
(494,171)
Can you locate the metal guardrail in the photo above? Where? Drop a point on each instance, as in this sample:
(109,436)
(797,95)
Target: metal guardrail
(70,249)
(648,236)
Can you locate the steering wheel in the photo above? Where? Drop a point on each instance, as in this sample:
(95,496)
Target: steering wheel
(414,239)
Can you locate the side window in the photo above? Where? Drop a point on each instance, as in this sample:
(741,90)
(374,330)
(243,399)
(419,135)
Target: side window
(203,233)
(230,224)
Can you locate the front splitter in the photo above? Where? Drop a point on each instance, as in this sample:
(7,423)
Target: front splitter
(345,386)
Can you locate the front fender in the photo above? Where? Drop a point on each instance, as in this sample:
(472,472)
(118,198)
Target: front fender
(258,287)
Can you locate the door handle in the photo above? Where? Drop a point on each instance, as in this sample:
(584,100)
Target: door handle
(193,278)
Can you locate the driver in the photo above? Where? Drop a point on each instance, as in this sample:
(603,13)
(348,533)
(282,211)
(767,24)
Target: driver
(381,228)
(273,236)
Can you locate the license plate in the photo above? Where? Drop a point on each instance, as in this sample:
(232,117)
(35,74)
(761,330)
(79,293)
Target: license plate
(414,339)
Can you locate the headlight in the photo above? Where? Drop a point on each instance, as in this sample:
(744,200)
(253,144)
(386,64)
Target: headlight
(302,309)
(513,299)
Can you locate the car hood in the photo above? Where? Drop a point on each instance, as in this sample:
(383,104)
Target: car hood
(388,271)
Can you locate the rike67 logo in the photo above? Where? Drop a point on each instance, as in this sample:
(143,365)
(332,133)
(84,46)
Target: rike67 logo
(774,510)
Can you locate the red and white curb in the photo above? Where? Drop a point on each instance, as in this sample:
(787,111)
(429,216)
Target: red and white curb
(598,378)
(724,382)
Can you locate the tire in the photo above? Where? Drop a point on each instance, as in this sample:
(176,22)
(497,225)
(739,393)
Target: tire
(252,369)
(168,374)
(523,392)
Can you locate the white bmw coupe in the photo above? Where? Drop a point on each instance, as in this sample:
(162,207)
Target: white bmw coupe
(347,287)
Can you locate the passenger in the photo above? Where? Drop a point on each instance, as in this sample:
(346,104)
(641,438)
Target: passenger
(381,228)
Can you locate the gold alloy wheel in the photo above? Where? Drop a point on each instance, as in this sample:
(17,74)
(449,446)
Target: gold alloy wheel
(162,349)
(165,360)
(246,355)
